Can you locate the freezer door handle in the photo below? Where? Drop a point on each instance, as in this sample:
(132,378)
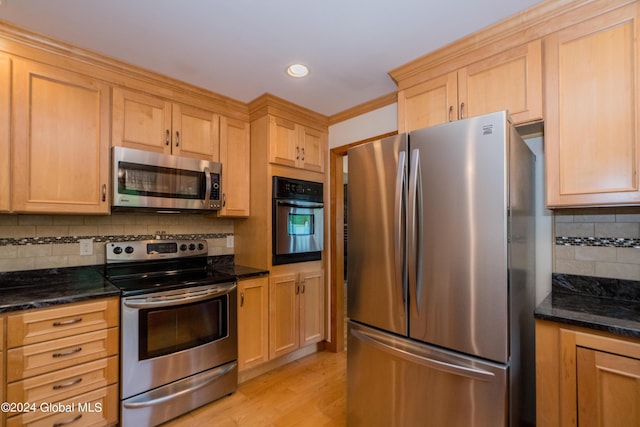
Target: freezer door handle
(412,353)
(399,211)
(415,228)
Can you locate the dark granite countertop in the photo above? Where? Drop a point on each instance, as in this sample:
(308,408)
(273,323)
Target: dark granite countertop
(241,271)
(610,305)
(21,290)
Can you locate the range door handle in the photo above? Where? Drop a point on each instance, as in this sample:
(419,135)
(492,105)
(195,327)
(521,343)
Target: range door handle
(414,353)
(179,299)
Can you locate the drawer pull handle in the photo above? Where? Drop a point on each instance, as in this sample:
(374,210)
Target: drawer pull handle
(68,384)
(68,322)
(69,421)
(68,353)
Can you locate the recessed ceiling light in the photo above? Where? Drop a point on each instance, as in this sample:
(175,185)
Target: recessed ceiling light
(297,70)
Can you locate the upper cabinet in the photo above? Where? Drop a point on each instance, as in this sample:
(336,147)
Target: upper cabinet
(5,134)
(235,157)
(60,140)
(591,110)
(295,145)
(291,135)
(510,80)
(147,122)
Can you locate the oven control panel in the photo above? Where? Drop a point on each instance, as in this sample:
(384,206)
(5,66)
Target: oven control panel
(142,250)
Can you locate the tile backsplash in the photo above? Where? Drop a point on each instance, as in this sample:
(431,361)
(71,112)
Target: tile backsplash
(49,241)
(601,242)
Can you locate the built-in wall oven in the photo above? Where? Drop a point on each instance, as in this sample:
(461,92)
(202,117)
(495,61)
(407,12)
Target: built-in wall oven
(298,220)
(178,329)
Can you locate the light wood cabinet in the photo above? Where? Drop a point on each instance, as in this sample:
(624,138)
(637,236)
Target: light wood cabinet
(511,80)
(253,322)
(296,311)
(65,355)
(5,134)
(586,377)
(591,109)
(235,157)
(146,122)
(60,141)
(292,144)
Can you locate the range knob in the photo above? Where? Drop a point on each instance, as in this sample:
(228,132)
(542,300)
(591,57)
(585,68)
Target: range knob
(192,247)
(128,250)
(117,250)
(200,246)
(183,247)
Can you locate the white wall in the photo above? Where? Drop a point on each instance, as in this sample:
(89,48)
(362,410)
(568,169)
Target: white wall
(374,123)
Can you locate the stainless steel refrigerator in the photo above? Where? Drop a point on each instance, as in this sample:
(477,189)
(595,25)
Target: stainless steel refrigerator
(440,281)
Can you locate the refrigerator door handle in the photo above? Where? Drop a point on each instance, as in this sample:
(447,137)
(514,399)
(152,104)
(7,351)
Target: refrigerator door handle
(399,209)
(415,228)
(393,346)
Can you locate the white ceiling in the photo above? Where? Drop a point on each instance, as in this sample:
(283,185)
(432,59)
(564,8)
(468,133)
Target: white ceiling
(240,48)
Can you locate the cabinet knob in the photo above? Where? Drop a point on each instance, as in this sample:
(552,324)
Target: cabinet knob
(302,153)
(167,137)
(104,192)
(462,110)
(177,138)
(450,113)
(241,299)
(297,153)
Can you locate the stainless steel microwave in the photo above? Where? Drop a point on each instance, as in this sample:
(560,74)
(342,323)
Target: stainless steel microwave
(165,183)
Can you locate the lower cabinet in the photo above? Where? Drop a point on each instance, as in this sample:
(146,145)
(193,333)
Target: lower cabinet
(63,361)
(253,322)
(585,377)
(296,311)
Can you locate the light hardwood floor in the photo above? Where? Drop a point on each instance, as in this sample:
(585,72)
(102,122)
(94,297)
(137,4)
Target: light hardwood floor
(307,392)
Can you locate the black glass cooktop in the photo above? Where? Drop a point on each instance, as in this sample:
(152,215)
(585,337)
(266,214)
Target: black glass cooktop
(155,276)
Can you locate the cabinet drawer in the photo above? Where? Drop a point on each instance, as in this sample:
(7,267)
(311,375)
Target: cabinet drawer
(36,359)
(65,321)
(65,383)
(99,407)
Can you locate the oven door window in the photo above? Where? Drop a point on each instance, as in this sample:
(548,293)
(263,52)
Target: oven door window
(168,330)
(300,224)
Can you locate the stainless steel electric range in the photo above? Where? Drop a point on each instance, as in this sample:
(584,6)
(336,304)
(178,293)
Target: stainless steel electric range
(178,328)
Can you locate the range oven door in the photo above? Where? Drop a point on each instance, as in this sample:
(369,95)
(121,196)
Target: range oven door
(144,179)
(298,231)
(170,335)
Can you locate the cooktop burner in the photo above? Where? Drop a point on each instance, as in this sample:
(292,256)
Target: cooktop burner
(158,265)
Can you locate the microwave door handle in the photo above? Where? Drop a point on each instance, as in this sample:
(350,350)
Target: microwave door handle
(207,180)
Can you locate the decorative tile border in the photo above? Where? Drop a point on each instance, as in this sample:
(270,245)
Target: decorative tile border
(613,242)
(105,239)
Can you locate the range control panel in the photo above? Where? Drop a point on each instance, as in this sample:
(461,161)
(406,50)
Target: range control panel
(143,250)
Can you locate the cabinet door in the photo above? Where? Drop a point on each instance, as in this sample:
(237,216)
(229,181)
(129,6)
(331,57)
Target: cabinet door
(608,389)
(591,109)
(196,133)
(61,141)
(311,307)
(253,322)
(5,120)
(141,121)
(312,146)
(510,81)
(236,167)
(283,315)
(283,144)
(430,103)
